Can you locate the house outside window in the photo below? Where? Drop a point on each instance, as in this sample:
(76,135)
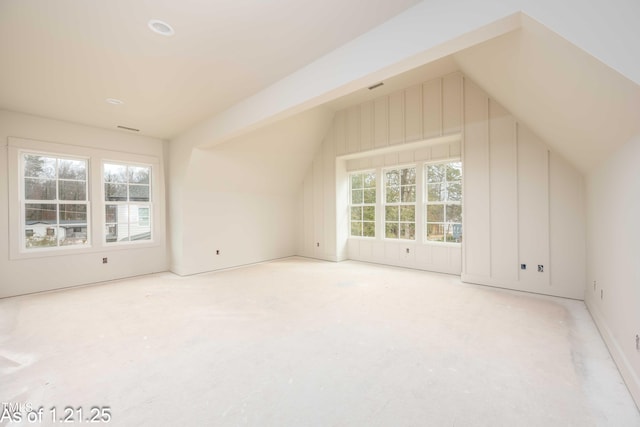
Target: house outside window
(127,196)
(55,202)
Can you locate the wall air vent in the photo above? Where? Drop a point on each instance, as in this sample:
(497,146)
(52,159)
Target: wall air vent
(128,128)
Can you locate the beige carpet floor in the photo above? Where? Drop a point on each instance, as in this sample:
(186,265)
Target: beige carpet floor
(298,342)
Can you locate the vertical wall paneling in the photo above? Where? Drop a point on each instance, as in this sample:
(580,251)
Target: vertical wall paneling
(366,126)
(432,108)
(381,122)
(452,104)
(329,182)
(413,113)
(476,210)
(340,132)
(396,118)
(353,129)
(503,190)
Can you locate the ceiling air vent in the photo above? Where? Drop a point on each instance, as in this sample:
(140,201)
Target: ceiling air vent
(128,128)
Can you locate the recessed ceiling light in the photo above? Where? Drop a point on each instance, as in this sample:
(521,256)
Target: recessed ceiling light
(160,27)
(114,101)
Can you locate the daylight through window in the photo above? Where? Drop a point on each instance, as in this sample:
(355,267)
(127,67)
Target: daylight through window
(127,195)
(444,202)
(363,204)
(400,203)
(55,201)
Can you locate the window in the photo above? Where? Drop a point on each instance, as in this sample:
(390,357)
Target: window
(127,195)
(55,201)
(400,203)
(363,204)
(444,202)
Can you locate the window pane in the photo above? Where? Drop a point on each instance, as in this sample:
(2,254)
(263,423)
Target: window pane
(409,194)
(111,213)
(115,173)
(139,193)
(73,235)
(370,180)
(40,235)
(435,232)
(454,171)
(39,166)
(356,181)
(73,214)
(139,227)
(454,192)
(39,189)
(435,192)
(407,231)
(356,197)
(72,169)
(40,213)
(393,194)
(454,233)
(72,190)
(408,176)
(435,213)
(122,230)
(370,196)
(369,229)
(454,213)
(111,233)
(369,213)
(139,175)
(391,230)
(356,213)
(115,192)
(391,213)
(356,228)
(393,177)
(435,173)
(407,213)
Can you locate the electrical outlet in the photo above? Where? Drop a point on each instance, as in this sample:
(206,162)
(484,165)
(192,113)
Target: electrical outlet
(637,342)
(318,244)
(540,268)
(601,293)
(523,266)
(408,250)
(105,260)
(594,285)
(217,251)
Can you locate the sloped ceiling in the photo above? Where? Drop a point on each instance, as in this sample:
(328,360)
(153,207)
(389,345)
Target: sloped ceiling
(578,105)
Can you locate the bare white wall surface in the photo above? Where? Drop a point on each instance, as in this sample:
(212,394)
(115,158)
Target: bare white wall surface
(33,274)
(239,198)
(613,250)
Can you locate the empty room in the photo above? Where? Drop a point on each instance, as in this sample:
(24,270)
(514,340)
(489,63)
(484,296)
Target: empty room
(319,213)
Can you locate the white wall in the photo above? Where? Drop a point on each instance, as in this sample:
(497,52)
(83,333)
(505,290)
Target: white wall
(240,197)
(613,251)
(523,205)
(22,276)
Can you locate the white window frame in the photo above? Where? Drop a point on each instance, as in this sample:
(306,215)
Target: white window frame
(95,215)
(23,201)
(426,203)
(128,203)
(399,204)
(363,204)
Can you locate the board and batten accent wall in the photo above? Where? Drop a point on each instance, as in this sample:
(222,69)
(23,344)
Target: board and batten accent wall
(522,202)
(410,126)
